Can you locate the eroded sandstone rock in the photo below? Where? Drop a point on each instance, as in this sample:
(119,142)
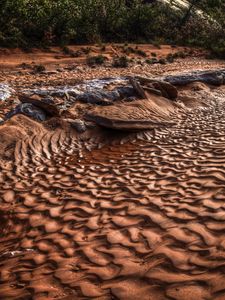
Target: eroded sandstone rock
(45,104)
(140,114)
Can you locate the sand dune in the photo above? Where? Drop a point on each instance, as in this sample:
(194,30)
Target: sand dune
(105,215)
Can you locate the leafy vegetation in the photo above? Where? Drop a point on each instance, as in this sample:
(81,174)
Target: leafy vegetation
(96,60)
(120,62)
(28,23)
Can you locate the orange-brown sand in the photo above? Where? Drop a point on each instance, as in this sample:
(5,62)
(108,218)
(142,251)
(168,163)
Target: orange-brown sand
(107,215)
(11,58)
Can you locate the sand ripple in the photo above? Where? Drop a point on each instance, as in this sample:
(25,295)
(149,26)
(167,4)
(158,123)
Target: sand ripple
(139,218)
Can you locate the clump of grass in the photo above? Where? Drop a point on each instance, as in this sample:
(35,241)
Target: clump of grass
(120,62)
(39,68)
(141,53)
(179,54)
(182,54)
(170,58)
(153,54)
(66,50)
(162,61)
(129,50)
(148,61)
(151,61)
(96,60)
(217,52)
(24,66)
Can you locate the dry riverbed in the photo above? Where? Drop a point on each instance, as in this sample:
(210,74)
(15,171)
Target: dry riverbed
(90,211)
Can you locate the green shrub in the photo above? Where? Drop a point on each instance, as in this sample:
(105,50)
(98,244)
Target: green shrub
(218,50)
(39,68)
(153,54)
(151,61)
(162,61)
(61,22)
(66,50)
(170,58)
(141,53)
(182,54)
(120,62)
(96,60)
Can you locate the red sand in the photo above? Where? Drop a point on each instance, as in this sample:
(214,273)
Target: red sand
(114,216)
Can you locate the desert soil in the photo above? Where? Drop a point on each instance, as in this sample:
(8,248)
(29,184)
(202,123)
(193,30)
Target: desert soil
(108,214)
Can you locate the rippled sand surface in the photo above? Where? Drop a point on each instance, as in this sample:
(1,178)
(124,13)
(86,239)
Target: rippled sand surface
(107,215)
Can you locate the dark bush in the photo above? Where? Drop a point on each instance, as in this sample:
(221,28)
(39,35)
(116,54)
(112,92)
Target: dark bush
(152,61)
(153,54)
(120,62)
(162,61)
(141,53)
(96,60)
(39,68)
(218,50)
(170,58)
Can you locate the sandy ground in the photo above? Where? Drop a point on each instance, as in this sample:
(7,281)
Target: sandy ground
(110,215)
(17,67)
(55,56)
